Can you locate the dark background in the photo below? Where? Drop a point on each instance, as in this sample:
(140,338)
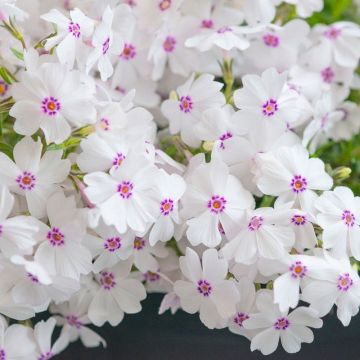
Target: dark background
(149,336)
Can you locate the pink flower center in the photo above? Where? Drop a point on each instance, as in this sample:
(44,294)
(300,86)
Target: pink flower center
(112,244)
(3,88)
(169,44)
(26,180)
(151,276)
(166,206)
(139,243)
(105,124)
(119,158)
(271,40)
(164,5)
(349,218)
(2,354)
(270,107)
(298,184)
(298,270)
(344,282)
(281,323)
(74,321)
(240,318)
(106,46)
(34,279)
(120,89)
(74,29)
(56,237)
(204,288)
(131,3)
(186,104)
(50,106)
(298,220)
(224,30)
(207,24)
(125,189)
(327,75)
(217,204)
(332,33)
(255,223)
(1,230)
(129,52)
(107,280)
(223,138)
(47,356)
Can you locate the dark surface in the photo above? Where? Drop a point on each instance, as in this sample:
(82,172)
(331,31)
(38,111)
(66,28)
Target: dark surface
(182,336)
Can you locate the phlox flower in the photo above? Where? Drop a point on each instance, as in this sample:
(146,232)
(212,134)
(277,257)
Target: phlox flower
(206,289)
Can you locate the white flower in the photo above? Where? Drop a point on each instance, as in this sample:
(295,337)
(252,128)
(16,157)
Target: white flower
(17,234)
(294,270)
(72,315)
(194,97)
(341,41)
(43,332)
(126,198)
(339,216)
(206,289)
(116,295)
(12,337)
(340,285)
(62,252)
(265,233)
(171,188)
(244,308)
(108,40)
(305,8)
(54,100)
(214,202)
(266,101)
(33,176)
(70,35)
(289,173)
(272,325)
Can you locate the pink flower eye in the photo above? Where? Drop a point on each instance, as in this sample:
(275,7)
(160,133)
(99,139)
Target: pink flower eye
(204,288)
(271,40)
(169,44)
(164,5)
(270,107)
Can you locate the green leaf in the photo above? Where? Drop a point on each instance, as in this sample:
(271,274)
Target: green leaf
(18,54)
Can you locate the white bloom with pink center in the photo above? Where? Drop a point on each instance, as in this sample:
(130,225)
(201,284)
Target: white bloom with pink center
(244,308)
(108,39)
(295,270)
(168,48)
(35,287)
(281,45)
(273,325)
(53,99)
(17,233)
(290,174)
(127,198)
(194,97)
(171,188)
(103,154)
(116,295)
(43,332)
(10,339)
(267,101)
(214,203)
(339,216)
(265,233)
(108,246)
(72,316)
(206,289)
(33,176)
(339,284)
(340,41)
(70,34)
(325,117)
(62,251)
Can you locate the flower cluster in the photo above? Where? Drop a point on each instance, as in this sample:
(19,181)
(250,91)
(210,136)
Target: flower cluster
(170,146)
